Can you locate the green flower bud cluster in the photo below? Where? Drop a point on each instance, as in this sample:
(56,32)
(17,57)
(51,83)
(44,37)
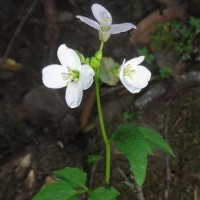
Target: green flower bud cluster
(98,55)
(94,61)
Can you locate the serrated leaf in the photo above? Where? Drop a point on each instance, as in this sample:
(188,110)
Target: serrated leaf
(136,143)
(75,176)
(108,77)
(59,190)
(103,193)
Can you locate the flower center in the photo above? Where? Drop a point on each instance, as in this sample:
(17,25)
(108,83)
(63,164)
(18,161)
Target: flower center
(128,71)
(70,76)
(105,21)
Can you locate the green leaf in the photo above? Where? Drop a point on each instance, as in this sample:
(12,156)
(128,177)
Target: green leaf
(107,76)
(59,190)
(128,115)
(103,193)
(93,158)
(75,176)
(136,143)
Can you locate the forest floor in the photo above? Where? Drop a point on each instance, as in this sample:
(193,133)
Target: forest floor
(40,133)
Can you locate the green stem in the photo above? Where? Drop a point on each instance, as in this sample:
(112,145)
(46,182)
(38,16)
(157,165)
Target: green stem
(101,46)
(82,191)
(105,70)
(106,141)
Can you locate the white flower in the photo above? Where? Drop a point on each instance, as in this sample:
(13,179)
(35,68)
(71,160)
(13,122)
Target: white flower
(134,76)
(70,73)
(105,25)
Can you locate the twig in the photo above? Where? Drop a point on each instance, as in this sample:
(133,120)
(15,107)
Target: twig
(16,33)
(168,170)
(93,169)
(134,187)
(111,90)
(177,122)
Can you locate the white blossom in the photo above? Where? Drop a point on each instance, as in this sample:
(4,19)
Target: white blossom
(134,76)
(104,25)
(70,73)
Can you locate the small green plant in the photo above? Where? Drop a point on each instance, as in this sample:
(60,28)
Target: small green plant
(149,57)
(130,115)
(92,158)
(165,73)
(177,36)
(161,35)
(195,23)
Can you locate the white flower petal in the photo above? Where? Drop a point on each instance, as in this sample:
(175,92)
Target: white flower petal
(118,28)
(68,57)
(138,80)
(52,77)
(86,77)
(100,12)
(122,65)
(142,75)
(135,61)
(89,22)
(73,95)
(132,85)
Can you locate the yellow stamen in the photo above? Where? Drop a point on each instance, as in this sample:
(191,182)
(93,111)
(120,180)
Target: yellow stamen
(70,75)
(107,19)
(128,71)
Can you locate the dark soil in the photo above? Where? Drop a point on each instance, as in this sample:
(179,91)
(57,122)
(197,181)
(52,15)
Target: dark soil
(35,141)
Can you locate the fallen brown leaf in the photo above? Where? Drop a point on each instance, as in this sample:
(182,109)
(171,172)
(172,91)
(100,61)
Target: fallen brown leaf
(51,22)
(142,36)
(17,167)
(171,3)
(197,192)
(50,179)
(30,180)
(87,110)
(122,92)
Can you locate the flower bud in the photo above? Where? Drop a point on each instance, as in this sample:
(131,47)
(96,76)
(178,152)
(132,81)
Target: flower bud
(98,63)
(98,55)
(115,71)
(81,57)
(87,61)
(93,62)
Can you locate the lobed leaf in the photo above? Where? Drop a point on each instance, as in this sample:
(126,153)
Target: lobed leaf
(59,190)
(136,143)
(103,193)
(74,176)
(108,77)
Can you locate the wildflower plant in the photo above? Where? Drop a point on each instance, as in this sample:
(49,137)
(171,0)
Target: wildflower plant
(177,36)
(78,73)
